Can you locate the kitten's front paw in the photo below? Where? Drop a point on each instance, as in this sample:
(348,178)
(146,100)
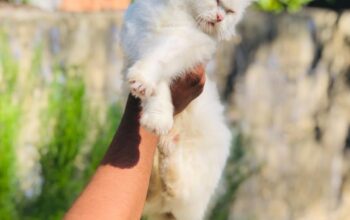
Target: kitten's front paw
(159,122)
(139,85)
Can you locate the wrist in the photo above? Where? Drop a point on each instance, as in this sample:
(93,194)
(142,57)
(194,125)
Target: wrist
(124,151)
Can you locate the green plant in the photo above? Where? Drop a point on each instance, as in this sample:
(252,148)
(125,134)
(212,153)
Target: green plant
(282,5)
(67,121)
(12,94)
(71,119)
(10,112)
(67,112)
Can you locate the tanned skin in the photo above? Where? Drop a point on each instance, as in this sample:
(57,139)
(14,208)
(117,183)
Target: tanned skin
(118,189)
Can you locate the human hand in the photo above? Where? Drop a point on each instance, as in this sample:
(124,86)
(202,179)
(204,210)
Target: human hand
(119,187)
(187,88)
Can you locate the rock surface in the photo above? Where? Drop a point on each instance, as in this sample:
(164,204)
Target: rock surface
(291,100)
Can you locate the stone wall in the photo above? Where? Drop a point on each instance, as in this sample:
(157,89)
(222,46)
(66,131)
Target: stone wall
(285,80)
(289,93)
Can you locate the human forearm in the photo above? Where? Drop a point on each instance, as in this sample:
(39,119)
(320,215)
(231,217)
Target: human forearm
(119,186)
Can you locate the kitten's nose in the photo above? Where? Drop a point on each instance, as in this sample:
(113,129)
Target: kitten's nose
(219,17)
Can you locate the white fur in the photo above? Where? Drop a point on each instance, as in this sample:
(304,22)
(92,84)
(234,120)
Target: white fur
(161,40)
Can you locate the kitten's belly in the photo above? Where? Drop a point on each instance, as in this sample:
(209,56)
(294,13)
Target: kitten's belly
(191,158)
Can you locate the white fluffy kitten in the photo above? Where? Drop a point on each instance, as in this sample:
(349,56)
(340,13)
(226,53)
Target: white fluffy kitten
(161,40)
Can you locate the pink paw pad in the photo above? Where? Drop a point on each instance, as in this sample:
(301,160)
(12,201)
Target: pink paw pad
(139,89)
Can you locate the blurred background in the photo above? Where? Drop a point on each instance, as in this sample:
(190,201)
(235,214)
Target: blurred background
(285,80)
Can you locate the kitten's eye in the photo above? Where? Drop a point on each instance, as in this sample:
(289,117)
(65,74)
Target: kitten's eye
(230,11)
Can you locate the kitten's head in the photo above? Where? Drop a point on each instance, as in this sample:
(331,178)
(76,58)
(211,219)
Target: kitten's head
(218,17)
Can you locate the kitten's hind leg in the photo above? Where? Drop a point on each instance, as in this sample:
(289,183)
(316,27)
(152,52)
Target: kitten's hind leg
(158,110)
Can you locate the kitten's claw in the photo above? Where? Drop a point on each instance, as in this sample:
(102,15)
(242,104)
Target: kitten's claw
(158,123)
